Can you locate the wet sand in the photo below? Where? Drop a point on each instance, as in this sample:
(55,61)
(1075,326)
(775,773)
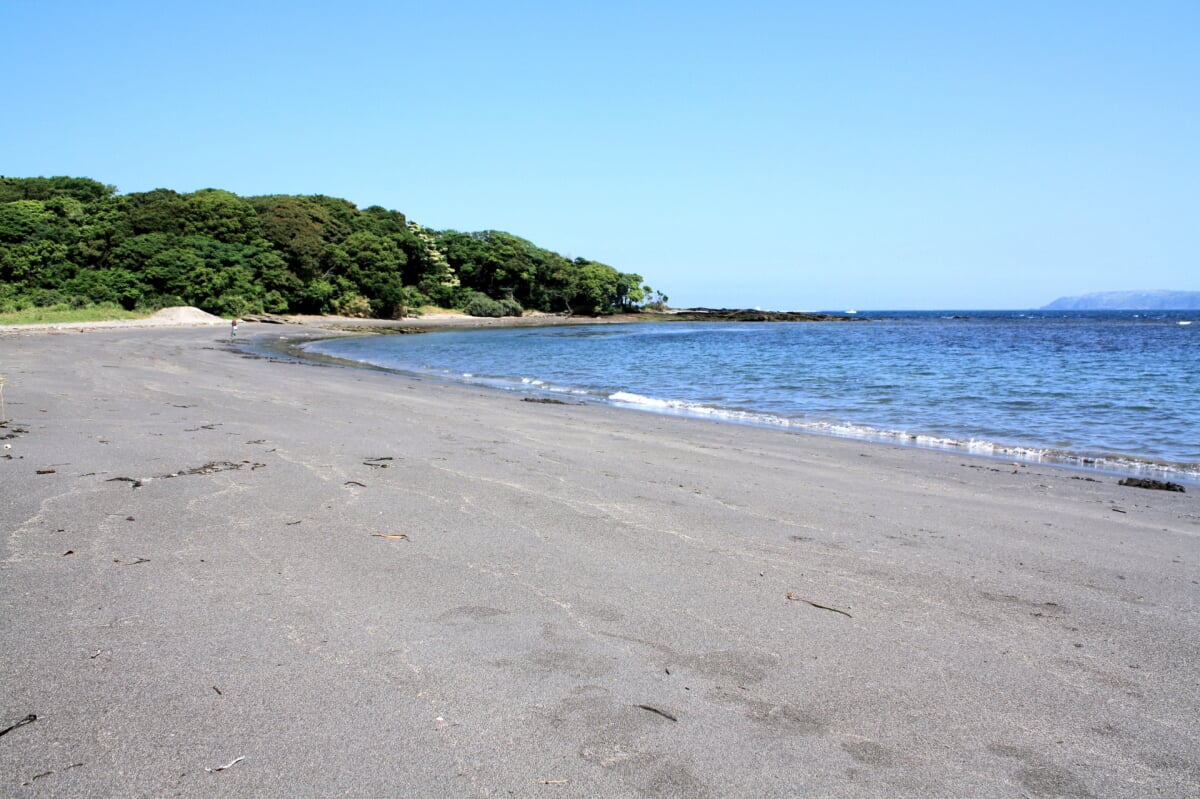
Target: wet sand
(339,582)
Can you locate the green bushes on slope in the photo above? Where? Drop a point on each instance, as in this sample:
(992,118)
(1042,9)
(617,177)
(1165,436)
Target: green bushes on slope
(76,241)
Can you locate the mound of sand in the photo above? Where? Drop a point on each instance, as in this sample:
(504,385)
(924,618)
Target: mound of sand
(185,315)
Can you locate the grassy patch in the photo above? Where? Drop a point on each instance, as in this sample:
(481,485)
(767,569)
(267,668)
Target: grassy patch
(426,310)
(63,313)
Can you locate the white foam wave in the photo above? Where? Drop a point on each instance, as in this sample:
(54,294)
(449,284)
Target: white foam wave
(983,447)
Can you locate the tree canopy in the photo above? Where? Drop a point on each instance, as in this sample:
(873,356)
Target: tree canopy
(77,241)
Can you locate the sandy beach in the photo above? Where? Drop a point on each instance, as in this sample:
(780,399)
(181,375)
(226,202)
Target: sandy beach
(230,575)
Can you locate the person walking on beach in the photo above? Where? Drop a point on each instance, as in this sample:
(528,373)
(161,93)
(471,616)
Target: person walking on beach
(233,329)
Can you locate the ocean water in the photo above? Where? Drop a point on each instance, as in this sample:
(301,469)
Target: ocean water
(1115,391)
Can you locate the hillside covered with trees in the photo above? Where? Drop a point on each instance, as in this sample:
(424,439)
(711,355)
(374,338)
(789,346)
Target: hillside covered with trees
(76,241)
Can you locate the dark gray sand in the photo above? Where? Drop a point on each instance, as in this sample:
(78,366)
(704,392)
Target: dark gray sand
(233,576)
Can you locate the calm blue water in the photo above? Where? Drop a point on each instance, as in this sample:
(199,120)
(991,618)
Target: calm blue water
(1113,390)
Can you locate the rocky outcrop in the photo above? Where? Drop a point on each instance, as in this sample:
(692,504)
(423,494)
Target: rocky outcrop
(747,315)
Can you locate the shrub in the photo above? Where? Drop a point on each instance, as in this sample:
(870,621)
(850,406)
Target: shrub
(483,305)
(274,302)
(46,298)
(354,305)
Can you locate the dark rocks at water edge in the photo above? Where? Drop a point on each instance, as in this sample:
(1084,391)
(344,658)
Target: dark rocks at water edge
(746,315)
(1140,482)
(1129,301)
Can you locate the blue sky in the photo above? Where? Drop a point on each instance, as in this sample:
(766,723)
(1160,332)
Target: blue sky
(874,155)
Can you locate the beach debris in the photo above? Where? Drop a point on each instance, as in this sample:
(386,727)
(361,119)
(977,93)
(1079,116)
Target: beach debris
(544,400)
(660,712)
(218,690)
(378,463)
(202,427)
(212,467)
(133,562)
(290,524)
(69,552)
(391,536)
(136,483)
(230,764)
(553,782)
(27,720)
(1160,485)
(45,471)
(797,598)
(355,483)
(37,777)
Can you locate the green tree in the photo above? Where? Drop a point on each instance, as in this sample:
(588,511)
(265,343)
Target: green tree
(299,228)
(103,228)
(221,215)
(35,263)
(108,285)
(85,190)
(25,220)
(374,266)
(629,294)
(158,211)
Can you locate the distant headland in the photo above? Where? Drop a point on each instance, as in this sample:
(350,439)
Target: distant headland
(1128,301)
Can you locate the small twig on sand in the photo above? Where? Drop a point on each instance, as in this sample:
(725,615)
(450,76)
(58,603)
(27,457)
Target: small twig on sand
(378,463)
(233,762)
(662,713)
(552,782)
(798,598)
(27,720)
(392,537)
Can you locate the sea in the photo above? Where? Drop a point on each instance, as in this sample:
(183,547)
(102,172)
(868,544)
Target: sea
(1111,391)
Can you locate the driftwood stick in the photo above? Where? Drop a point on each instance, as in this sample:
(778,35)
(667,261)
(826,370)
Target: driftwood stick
(797,598)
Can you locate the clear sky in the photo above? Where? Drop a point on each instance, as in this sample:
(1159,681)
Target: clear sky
(787,155)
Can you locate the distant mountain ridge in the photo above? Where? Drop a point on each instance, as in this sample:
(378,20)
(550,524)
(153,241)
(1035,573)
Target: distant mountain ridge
(1128,301)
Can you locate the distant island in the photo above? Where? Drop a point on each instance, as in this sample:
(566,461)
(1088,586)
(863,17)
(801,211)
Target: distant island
(1128,301)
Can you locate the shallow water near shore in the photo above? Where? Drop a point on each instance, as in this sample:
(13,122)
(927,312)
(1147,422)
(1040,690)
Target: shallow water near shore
(1113,391)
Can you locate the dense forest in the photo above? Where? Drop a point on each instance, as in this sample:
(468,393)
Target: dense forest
(78,242)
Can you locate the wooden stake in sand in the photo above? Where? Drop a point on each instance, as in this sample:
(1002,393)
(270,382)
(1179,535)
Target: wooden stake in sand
(3,416)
